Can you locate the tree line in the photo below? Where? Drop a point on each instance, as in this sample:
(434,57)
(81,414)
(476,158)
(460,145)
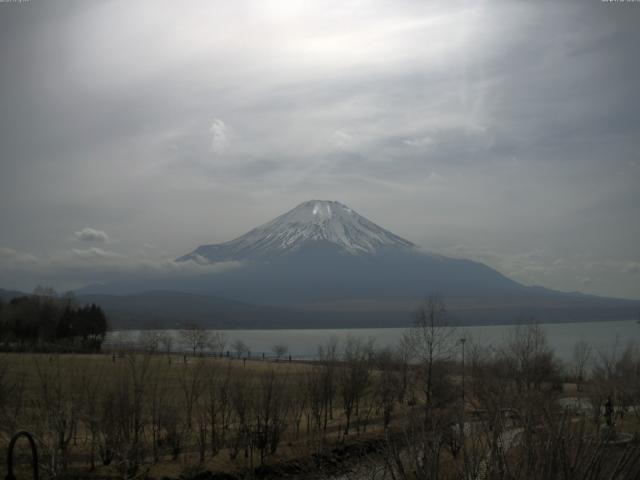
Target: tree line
(493,415)
(47,321)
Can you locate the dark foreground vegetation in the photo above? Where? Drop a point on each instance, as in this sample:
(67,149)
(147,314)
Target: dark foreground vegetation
(419,411)
(45,321)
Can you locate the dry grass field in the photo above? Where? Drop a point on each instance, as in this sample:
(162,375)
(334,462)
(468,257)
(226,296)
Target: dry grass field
(357,411)
(177,413)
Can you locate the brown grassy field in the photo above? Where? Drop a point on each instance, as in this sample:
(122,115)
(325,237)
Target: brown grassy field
(154,415)
(56,395)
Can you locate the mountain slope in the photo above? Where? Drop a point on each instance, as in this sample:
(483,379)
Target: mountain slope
(7,295)
(323,251)
(313,221)
(322,264)
(171,309)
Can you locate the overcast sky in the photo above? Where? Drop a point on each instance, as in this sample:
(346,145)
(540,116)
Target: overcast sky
(133,131)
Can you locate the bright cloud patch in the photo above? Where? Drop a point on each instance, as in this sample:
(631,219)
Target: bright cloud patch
(341,139)
(219,134)
(91,235)
(419,142)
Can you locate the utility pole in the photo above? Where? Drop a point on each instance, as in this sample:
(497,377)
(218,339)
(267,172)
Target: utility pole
(464,451)
(462,341)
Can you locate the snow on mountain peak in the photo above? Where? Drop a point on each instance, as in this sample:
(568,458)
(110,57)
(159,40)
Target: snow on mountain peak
(322,210)
(311,221)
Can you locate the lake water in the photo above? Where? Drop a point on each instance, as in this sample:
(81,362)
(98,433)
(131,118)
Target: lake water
(602,336)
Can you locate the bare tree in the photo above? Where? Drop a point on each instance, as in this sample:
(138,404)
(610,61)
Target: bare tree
(240,348)
(387,384)
(12,390)
(404,353)
(124,418)
(279,350)
(57,402)
(91,393)
(298,405)
(314,393)
(191,383)
(218,405)
(158,399)
(431,338)
(270,410)
(354,377)
(172,427)
(149,340)
(218,342)
(165,340)
(529,356)
(616,376)
(202,424)
(195,338)
(242,393)
(328,355)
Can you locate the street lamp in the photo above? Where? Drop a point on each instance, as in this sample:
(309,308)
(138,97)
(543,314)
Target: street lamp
(462,341)
(464,452)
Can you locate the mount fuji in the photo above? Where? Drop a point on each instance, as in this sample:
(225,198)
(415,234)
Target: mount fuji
(312,222)
(323,264)
(323,251)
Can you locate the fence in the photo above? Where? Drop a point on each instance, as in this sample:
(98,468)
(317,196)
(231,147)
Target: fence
(120,348)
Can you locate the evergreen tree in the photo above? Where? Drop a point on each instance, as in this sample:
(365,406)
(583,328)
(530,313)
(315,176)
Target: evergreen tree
(44,318)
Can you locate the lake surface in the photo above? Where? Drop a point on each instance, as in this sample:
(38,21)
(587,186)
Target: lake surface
(602,336)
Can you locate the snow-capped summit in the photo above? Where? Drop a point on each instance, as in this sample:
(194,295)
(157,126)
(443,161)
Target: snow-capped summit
(310,222)
(331,267)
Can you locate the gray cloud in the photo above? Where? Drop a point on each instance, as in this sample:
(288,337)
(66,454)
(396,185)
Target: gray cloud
(74,268)
(94,253)
(632,268)
(91,235)
(10,258)
(508,127)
